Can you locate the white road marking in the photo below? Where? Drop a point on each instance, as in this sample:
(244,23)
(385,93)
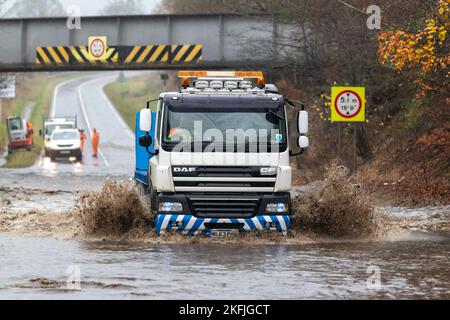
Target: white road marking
(88,123)
(56,90)
(110,105)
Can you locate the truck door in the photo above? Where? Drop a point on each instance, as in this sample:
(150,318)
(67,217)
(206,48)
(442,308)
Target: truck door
(142,156)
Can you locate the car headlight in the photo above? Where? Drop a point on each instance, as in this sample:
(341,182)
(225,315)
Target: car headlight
(170,206)
(277,207)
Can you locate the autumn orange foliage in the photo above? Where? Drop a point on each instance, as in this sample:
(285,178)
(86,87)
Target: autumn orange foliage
(426,50)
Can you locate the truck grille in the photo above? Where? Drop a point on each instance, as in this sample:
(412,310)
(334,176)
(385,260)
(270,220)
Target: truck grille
(218,206)
(241,177)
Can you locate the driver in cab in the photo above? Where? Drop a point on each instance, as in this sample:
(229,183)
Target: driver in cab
(180,133)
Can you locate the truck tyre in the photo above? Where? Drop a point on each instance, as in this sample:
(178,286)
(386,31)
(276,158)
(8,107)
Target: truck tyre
(46,152)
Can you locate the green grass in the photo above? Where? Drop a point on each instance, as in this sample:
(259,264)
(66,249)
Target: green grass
(132,96)
(17,110)
(43,99)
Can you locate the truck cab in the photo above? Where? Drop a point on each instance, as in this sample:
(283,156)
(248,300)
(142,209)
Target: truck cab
(214,157)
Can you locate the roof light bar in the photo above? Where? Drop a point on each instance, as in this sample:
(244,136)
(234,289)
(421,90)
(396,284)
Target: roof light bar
(230,85)
(224,76)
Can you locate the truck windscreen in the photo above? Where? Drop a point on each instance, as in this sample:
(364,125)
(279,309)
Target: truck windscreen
(227,126)
(52,127)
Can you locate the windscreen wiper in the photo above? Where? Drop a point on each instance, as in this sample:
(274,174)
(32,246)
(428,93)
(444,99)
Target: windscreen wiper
(274,114)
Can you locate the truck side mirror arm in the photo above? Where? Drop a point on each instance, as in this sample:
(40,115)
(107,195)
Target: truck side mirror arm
(292,154)
(295,104)
(146,142)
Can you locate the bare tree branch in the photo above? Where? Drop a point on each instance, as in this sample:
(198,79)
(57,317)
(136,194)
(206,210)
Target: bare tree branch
(348,5)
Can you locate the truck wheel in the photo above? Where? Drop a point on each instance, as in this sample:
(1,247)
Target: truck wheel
(52,158)
(46,152)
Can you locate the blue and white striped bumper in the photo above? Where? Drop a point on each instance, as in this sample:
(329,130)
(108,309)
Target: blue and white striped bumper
(190,225)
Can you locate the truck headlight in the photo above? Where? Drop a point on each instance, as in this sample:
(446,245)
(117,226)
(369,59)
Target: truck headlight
(270,171)
(277,207)
(170,206)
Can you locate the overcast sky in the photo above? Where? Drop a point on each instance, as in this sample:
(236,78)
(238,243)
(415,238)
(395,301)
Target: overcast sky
(91,7)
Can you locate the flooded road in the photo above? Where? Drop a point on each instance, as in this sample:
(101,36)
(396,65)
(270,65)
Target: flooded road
(413,262)
(38,269)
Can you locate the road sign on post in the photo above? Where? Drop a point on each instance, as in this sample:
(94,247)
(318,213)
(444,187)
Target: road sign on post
(98,46)
(348,104)
(7,87)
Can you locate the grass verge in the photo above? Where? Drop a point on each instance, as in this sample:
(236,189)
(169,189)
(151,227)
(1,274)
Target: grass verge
(41,92)
(131,95)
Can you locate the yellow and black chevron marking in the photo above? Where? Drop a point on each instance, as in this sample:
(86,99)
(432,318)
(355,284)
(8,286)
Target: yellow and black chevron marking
(160,54)
(121,54)
(72,55)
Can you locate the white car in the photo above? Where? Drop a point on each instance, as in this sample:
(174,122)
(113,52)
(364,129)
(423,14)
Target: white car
(65,143)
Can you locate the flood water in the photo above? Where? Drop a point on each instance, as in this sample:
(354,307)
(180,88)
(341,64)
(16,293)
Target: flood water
(407,269)
(415,266)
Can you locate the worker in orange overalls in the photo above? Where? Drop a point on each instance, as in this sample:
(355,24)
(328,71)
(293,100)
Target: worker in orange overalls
(95,142)
(82,139)
(30,133)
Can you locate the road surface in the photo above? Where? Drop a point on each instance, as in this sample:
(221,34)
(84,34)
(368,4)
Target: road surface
(85,98)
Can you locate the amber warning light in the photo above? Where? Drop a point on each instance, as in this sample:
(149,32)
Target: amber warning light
(228,80)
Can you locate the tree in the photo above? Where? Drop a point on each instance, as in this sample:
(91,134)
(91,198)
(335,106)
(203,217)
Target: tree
(36,8)
(2,3)
(425,51)
(123,7)
(211,6)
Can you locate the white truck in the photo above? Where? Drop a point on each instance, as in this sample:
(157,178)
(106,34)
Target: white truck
(214,157)
(51,124)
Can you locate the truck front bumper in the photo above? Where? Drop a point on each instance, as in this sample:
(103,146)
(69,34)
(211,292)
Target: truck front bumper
(65,153)
(191,225)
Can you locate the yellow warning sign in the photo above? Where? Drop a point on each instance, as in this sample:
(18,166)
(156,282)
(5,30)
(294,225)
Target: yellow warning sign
(348,104)
(98,47)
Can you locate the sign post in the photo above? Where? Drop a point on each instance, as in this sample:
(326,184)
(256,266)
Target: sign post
(7,90)
(348,104)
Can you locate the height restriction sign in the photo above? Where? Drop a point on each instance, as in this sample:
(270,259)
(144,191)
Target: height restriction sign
(348,104)
(97,48)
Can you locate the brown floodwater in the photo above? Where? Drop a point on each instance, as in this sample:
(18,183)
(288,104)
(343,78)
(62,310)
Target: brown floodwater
(38,268)
(414,263)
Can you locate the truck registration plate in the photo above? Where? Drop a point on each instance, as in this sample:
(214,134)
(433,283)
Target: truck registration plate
(223,233)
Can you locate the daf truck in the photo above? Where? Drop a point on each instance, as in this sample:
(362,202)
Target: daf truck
(213,158)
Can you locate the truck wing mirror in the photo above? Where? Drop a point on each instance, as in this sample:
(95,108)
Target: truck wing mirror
(302,122)
(303,142)
(145,120)
(145,141)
